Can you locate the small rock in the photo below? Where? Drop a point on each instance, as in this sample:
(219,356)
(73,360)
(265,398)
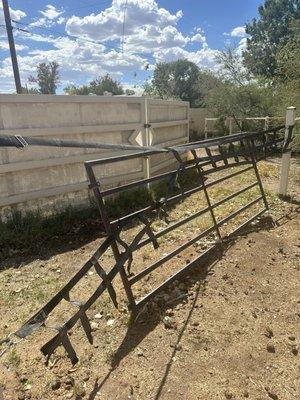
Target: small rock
(94,326)
(23,378)
(169,312)
(246,393)
(178,347)
(292,338)
(195,323)
(169,323)
(270,348)
(21,396)
(295,351)
(110,322)
(140,353)
(69,382)
(55,384)
(228,394)
(98,316)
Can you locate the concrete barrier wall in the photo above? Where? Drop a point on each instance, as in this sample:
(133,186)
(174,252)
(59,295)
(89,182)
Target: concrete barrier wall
(49,179)
(197,121)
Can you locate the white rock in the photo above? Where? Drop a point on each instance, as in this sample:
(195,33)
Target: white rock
(110,322)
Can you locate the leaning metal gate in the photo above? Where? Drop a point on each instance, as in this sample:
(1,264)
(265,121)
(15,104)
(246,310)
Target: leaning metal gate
(235,155)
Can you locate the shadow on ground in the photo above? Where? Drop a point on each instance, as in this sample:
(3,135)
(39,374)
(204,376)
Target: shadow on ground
(151,315)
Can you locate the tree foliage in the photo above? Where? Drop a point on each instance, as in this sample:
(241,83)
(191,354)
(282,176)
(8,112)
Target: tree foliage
(268,34)
(181,79)
(238,96)
(98,86)
(47,77)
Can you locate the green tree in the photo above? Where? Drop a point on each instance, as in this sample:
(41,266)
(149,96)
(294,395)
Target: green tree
(268,33)
(26,90)
(176,79)
(47,77)
(237,95)
(98,86)
(288,80)
(288,58)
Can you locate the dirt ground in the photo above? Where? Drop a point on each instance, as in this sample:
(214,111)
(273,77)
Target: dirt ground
(229,330)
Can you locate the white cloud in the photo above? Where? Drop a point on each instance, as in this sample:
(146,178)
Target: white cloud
(239,31)
(16,15)
(77,60)
(198,38)
(4,46)
(108,24)
(151,35)
(51,12)
(204,58)
(241,46)
(50,16)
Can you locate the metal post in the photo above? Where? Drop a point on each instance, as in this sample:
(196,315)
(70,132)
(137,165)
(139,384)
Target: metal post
(13,54)
(287,150)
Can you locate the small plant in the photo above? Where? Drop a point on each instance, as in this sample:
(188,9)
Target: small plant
(13,360)
(79,390)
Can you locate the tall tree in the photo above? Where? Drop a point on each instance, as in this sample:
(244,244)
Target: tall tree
(237,95)
(288,80)
(98,86)
(47,77)
(267,34)
(177,79)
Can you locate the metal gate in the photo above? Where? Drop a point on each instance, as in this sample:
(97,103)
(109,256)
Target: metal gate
(196,165)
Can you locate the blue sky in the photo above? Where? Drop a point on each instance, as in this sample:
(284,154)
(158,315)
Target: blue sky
(86,37)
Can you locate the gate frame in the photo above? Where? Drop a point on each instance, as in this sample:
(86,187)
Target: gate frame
(197,163)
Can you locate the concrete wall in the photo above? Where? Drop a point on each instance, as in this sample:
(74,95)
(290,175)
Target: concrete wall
(49,179)
(197,121)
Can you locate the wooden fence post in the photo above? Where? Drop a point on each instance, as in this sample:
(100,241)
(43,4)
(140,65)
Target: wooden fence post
(286,155)
(205,128)
(267,123)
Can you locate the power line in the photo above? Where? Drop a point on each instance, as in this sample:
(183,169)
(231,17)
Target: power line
(62,34)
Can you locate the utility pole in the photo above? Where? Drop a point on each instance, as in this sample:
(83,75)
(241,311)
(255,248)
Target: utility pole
(13,54)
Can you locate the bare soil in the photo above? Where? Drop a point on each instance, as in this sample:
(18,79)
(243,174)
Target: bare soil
(229,330)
